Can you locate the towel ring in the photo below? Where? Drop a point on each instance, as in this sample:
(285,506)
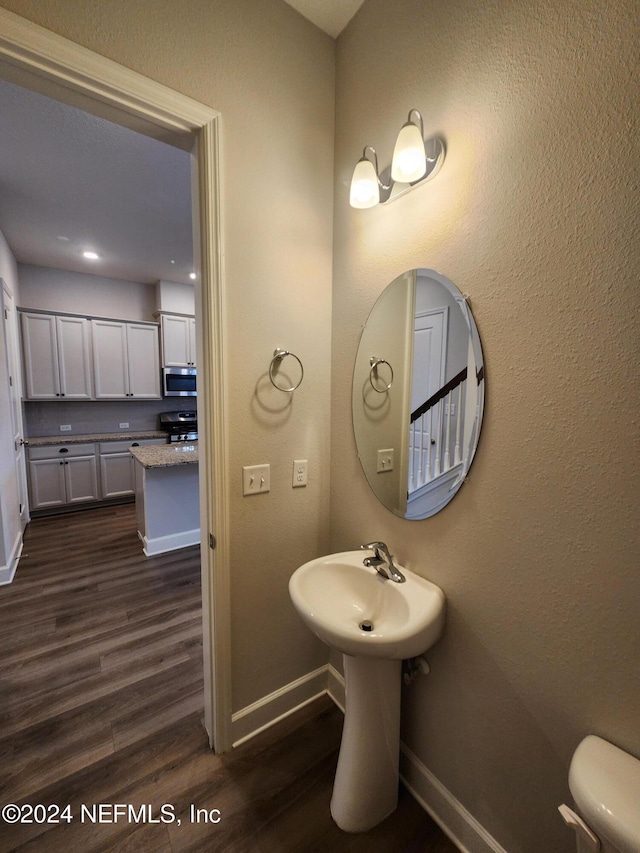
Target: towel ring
(375,362)
(276,361)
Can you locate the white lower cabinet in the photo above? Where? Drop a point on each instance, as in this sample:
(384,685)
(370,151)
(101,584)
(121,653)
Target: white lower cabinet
(62,474)
(116,466)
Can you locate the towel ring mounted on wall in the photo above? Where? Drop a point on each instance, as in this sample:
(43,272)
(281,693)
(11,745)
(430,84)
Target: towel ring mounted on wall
(375,363)
(278,356)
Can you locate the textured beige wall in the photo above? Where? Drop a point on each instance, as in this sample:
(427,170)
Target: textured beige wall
(534,214)
(271,75)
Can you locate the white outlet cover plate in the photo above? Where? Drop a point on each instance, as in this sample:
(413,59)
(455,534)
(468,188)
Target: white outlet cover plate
(299,473)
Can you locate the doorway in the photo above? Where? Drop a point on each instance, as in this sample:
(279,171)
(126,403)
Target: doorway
(40,60)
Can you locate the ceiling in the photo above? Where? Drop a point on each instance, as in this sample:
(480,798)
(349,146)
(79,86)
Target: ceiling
(332,16)
(72,182)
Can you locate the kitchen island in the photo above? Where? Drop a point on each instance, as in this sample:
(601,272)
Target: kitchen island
(167,499)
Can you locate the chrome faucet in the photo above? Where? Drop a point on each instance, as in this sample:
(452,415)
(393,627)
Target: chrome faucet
(382,562)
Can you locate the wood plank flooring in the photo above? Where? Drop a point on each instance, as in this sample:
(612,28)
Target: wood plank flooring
(101,703)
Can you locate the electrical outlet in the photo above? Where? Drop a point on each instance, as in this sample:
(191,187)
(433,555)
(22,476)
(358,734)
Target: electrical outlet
(65,427)
(256,479)
(299,473)
(385,460)
(124,426)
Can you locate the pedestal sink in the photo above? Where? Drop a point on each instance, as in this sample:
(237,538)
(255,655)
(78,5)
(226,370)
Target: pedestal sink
(376,623)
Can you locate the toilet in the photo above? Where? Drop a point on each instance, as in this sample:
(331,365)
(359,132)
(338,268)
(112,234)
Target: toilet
(605,784)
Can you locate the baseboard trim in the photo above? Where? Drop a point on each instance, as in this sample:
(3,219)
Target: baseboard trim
(8,572)
(269,710)
(173,542)
(450,815)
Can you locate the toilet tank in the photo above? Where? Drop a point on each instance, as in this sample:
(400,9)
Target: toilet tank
(605,784)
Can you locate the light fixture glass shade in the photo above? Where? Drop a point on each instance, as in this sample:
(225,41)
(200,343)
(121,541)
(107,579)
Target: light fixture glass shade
(365,189)
(409,162)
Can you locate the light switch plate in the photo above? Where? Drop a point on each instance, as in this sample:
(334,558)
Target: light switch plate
(385,460)
(256,479)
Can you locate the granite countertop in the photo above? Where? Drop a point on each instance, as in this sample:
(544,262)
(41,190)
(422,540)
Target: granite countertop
(166,455)
(48,440)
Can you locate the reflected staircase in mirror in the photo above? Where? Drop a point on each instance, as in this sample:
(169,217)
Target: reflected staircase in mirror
(435,441)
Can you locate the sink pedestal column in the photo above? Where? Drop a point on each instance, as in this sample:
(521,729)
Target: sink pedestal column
(365,790)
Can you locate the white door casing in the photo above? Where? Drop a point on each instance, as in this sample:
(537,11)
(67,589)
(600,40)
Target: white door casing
(15,395)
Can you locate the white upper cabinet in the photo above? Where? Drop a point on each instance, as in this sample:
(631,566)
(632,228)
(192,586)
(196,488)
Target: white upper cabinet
(144,361)
(74,357)
(57,357)
(110,362)
(126,360)
(178,341)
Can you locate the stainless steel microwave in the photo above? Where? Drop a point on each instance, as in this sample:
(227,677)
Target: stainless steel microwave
(179,381)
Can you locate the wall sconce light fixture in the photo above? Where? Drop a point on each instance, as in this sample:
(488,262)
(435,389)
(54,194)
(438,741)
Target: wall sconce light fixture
(414,160)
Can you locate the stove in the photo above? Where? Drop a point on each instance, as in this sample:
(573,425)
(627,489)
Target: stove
(179,426)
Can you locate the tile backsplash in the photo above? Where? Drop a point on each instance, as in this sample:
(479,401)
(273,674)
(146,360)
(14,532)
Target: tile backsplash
(85,418)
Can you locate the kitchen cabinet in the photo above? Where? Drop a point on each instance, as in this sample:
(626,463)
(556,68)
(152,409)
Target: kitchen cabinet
(62,474)
(178,336)
(117,466)
(126,360)
(57,356)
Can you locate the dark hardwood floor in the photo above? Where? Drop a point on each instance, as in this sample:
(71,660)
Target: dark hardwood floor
(101,703)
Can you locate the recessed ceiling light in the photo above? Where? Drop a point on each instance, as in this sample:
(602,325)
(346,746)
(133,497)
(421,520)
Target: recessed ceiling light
(91,256)
(192,275)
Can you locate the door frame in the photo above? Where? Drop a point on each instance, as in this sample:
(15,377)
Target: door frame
(38,59)
(12,350)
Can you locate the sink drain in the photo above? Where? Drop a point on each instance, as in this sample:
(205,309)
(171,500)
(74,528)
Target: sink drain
(366,625)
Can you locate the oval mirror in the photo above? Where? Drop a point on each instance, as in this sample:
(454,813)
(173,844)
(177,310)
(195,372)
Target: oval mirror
(418,394)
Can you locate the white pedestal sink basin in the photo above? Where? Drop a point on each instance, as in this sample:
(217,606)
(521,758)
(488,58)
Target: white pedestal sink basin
(376,623)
